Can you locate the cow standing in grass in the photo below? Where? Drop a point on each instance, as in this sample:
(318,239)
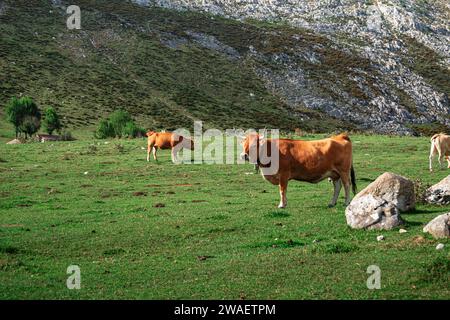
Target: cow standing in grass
(310,161)
(440,144)
(167,140)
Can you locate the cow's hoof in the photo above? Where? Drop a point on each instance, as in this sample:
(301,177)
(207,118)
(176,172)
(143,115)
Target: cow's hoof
(281,206)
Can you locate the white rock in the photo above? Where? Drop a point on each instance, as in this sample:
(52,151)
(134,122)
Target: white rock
(439,227)
(440,246)
(86,172)
(439,193)
(393,188)
(380,238)
(402,231)
(372,212)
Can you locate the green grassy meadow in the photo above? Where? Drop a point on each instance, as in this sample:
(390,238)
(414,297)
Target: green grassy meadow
(164,231)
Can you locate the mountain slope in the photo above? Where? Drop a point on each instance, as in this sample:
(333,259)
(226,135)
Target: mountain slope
(126,57)
(405,42)
(342,69)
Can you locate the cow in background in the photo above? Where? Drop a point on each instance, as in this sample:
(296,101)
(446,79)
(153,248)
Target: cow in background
(440,144)
(167,140)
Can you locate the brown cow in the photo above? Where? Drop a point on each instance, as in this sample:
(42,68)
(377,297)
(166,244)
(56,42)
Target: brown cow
(440,143)
(167,140)
(310,161)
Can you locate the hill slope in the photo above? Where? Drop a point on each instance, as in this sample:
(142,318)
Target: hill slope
(170,67)
(126,57)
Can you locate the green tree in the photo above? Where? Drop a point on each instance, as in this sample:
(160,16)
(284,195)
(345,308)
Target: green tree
(14,113)
(51,121)
(30,125)
(24,114)
(118,120)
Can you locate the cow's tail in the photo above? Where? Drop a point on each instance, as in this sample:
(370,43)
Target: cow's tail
(353,178)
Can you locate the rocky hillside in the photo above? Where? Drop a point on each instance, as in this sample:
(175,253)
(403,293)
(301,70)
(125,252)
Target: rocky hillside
(318,65)
(384,64)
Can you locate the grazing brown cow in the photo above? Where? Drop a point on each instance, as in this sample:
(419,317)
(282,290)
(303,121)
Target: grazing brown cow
(167,140)
(310,161)
(440,143)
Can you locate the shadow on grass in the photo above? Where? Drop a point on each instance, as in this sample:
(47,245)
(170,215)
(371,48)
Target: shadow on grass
(9,249)
(278,244)
(278,214)
(426,211)
(411,224)
(333,248)
(365,179)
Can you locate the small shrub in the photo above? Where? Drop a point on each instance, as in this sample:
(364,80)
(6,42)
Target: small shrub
(105,130)
(51,121)
(119,124)
(131,130)
(118,120)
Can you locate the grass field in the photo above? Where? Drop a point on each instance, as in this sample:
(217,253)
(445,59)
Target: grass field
(164,231)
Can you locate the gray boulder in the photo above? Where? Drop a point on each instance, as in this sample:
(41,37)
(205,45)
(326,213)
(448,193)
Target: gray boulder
(372,212)
(439,193)
(394,189)
(439,227)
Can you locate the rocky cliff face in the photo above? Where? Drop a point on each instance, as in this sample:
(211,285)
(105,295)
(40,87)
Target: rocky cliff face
(382,65)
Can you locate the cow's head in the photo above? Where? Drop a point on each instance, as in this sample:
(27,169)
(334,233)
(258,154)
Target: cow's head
(250,146)
(150,133)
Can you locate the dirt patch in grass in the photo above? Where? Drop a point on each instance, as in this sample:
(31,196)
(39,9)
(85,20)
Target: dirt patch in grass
(139,194)
(159,205)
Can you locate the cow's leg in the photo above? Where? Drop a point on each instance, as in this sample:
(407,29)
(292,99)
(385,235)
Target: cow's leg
(346,182)
(149,149)
(337,189)
(283,189)
(432,152)
(448,161)
(440,154)
(154,154)
(440,159)
(174,155)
